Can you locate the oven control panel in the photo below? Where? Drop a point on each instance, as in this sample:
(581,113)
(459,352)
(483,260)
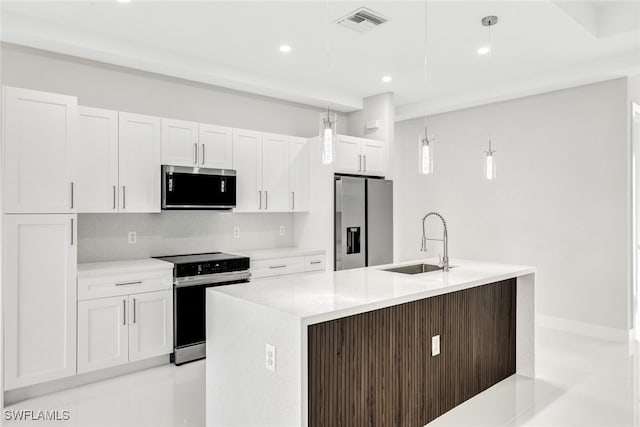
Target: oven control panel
(212,267)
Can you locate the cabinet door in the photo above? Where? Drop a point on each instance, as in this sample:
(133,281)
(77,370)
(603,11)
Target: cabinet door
(103,337)
(348,156)
(97,160)
(139,165)
(150,325)
(40,131)
(373,157)
(247,161)
(275,173)
(179,143)
(299,174)
(39,298)
(216,147)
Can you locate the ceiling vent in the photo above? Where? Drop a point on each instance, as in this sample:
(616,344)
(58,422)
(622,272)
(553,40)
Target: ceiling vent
(362,20)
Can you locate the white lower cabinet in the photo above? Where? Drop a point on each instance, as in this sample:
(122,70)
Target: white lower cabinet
(103,333)
(39,298)
(118,330)
(150,325)
(282,262)
(132,317)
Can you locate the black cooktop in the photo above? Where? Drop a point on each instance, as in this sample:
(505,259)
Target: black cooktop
(207,263)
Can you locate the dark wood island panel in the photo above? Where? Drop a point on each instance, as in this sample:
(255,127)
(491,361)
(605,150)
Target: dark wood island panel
(376,368)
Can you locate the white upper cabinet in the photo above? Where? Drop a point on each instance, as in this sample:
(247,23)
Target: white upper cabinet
(196,145)
(40,133)
(348,156)
(216,147)
(299,174)
(247,161)
(360,156)
(373,157)
(97,160)
(275,173)
(150,325)
(40,259)
(139,163)
(180,143)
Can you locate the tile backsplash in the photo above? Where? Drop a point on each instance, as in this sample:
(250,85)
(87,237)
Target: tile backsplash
(103,237)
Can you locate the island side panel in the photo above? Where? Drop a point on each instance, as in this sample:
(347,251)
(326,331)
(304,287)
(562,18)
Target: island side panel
(526,326)
(376,368)
(240,391)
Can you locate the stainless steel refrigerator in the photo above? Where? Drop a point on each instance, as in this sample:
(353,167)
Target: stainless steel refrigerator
(363,222)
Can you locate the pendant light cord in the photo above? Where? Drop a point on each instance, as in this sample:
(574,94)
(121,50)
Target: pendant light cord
(489,91)
(426,88)
(328,50)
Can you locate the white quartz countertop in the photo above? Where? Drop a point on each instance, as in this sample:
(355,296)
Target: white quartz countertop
(260,254)
(324,296)
(91,269)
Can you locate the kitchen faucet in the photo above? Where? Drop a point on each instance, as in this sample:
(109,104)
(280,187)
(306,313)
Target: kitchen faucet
(444,240)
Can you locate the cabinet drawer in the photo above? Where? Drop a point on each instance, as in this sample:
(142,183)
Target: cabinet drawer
(277,267)
(314,263)
(123,284)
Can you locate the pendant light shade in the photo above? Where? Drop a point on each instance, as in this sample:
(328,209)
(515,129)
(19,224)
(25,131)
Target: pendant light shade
(490,163)
(328,138)
(425,153)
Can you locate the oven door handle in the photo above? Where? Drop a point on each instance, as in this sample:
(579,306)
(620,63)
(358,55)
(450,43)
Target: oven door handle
(210,279)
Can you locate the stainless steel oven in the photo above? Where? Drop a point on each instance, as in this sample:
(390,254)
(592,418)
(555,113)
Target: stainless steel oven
(198,188)
(193,274)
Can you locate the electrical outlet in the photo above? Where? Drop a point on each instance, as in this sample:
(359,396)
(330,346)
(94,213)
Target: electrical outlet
(282,231)
(132,237)
(435,345)
(236,232)
(270,357)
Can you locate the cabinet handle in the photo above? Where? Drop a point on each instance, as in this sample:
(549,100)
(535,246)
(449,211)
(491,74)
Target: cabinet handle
(72,195)
(195,153)
(364,168)
(202,161)
(316,262)
(134,310)
(293,200)
(359,162)
(124,312)
(71,231)
(277,266)
(266,200)
(138,282)
(114,197)
(260,199)
(124,196)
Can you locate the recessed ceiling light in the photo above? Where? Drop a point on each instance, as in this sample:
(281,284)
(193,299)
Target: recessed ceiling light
(123,1)
(484,50)
(386,79)
(285,48)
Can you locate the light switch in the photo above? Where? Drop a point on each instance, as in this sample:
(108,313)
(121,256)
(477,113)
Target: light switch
(435,345)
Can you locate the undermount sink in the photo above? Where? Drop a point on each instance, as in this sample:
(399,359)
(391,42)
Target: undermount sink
(415,268)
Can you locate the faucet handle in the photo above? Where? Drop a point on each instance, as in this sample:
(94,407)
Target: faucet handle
(424,245)
(440,261)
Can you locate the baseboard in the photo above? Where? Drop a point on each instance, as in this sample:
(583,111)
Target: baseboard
(29,392)
(585,329)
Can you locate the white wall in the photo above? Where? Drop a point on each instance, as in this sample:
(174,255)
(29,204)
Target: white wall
(101,85)
(560,201)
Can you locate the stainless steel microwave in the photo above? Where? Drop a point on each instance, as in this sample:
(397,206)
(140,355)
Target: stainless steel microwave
(198,188)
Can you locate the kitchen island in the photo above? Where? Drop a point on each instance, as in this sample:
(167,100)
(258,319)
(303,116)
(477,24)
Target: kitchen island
(365,346)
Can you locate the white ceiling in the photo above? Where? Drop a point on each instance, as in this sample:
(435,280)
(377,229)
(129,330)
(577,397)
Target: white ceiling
(537,46)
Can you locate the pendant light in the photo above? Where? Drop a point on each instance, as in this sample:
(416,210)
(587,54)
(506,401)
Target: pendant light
(490,159)
(328,131)
(425,142)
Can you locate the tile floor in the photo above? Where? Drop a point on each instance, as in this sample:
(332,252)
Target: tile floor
(581,382)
